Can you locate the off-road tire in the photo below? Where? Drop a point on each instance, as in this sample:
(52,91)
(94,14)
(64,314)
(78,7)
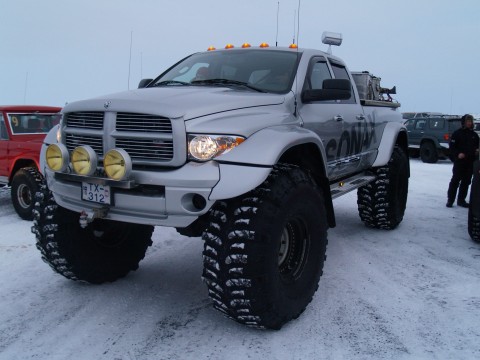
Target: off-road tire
(104,251)
(25,184)
(382,203)
(473,226)
(428,152)
(264,251)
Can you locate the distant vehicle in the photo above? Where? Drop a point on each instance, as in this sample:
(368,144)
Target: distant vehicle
(476,126)
(428,137)
(412,115)
(22,130)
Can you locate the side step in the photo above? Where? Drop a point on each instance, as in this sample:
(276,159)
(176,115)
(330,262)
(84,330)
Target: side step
(342,187)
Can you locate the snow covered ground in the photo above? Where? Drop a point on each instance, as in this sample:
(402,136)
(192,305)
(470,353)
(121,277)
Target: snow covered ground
(411,293)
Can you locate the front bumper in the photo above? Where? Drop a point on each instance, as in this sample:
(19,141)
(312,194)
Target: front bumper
(157,198)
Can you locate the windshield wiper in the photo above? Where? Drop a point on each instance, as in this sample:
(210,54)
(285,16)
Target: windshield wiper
(171,82)
(226,82)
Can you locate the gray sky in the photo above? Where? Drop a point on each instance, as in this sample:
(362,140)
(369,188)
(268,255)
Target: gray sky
(58,51)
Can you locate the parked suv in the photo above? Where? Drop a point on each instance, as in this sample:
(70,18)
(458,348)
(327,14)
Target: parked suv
(22,131)
(428,137)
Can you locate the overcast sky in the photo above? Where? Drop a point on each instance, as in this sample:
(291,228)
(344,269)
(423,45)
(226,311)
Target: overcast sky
(58,51)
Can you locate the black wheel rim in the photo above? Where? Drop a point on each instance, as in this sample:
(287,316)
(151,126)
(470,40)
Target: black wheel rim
(293,249)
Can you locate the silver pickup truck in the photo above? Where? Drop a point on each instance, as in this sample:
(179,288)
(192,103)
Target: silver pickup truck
(246,147)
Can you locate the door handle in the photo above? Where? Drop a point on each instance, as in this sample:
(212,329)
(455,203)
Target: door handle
(338,118)
(360,117)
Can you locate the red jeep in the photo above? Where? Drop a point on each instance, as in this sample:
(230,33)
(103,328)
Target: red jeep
(22,130)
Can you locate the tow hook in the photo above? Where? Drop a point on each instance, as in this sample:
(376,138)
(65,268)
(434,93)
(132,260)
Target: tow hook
(87,217)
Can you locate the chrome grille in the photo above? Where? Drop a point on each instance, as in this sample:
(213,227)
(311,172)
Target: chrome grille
(147,138)
(147,149)
(85,120)
(73,140)
(143,123)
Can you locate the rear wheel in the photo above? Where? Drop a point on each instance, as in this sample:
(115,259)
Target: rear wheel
(382,203)
(264,251)
(428,152)
(25,184)
(101,252)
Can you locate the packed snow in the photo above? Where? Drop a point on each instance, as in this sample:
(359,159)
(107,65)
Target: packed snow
(410,293)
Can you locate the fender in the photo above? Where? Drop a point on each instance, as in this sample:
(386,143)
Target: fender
(265,147)
(390,134)
(245,168)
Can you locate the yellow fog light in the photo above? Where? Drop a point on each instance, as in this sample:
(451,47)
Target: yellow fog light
(118,164)
(57,157)
(84,160)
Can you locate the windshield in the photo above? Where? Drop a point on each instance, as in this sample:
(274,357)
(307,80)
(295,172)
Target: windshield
(36,123)
(260,70)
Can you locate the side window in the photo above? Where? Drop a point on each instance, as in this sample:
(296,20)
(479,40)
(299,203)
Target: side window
(3,128)
(420,125)
(319,73)
(340,72)
(409,124)
(437,124)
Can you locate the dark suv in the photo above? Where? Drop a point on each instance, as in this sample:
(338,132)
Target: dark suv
(428,137)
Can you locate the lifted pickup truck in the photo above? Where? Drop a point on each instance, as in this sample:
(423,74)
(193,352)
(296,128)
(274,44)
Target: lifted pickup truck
(22,130)
(246,147)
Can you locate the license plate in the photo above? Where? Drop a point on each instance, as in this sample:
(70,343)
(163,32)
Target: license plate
(96,193)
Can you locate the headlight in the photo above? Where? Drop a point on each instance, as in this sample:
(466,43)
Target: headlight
(206,147)
(117,164)
(84,160)
(57,157)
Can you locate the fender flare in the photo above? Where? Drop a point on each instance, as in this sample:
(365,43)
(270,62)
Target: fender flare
(388,142)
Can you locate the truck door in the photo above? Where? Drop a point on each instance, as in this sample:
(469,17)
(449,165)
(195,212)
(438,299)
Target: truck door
(3,150)
(340,124)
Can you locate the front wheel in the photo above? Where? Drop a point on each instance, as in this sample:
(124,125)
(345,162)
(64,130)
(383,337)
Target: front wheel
(264,251)
(104,251)
(25,184)
(382,203)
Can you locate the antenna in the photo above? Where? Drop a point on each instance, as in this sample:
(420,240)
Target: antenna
(298,22)
(294,19)
(25,90)
(276,36)
(130,60)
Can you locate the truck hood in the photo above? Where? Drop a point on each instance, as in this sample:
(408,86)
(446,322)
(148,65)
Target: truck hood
(187,102)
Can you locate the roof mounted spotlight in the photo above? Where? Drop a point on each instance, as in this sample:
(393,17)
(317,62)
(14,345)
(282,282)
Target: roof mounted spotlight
(331,38)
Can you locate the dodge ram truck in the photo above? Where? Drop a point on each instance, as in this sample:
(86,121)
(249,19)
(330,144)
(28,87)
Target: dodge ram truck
(244,146)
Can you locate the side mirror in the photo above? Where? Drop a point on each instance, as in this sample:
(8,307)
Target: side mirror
(144,82)
(333,89)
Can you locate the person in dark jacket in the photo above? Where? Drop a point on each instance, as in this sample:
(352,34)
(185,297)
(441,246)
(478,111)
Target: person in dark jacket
(464,151)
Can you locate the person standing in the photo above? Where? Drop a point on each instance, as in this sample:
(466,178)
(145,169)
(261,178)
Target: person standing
(464,151)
